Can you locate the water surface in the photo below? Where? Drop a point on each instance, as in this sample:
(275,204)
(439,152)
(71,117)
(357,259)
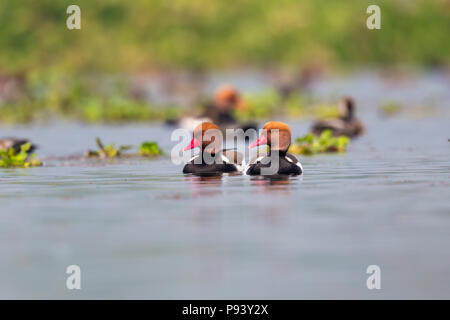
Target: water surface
(141,229)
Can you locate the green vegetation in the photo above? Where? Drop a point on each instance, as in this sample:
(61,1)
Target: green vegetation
(146,149)
(149,149)
(269,103)
(86,98)
(95,99)
(10,159)
(390,109)
(127,37)
(82,74)
(311,144)
(108,151)
(259,106)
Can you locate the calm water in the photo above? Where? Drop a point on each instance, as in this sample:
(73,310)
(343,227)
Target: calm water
(140,229)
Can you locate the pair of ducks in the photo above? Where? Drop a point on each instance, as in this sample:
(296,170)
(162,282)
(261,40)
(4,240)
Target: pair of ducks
(276,135)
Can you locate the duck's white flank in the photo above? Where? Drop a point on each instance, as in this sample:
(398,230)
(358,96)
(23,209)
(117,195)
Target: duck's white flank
(298,163)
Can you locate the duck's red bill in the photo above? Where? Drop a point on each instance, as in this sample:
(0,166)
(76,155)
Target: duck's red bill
(193,144)
(261,140)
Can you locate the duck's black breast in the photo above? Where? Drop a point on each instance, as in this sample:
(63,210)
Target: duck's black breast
(287,164)
(204,168)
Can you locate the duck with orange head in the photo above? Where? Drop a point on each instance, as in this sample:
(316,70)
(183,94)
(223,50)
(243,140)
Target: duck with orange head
(221,110)
(277,136)
(227,99)
(211,159)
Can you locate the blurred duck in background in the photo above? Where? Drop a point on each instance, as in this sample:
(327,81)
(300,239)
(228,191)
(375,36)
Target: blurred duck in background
(221,111)
(225,161)
(346,124)
(300,81)
(6,143)
(227,99)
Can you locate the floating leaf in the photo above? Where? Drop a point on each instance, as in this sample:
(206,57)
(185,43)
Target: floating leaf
(149,149)
(311,144)
(10,159)
(108,151)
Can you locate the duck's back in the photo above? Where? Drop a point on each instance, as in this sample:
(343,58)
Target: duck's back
(355,128)
(335,125)
(339,127)
(198,166)
(287,165)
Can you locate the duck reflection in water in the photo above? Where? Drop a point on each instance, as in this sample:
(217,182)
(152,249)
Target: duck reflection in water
(274,180)
(274,193)
(279,185)
(214,178)
(205,184)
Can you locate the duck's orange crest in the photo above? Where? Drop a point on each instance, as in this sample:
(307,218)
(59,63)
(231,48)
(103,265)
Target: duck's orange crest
(277,125)
(205,126)
(226,93)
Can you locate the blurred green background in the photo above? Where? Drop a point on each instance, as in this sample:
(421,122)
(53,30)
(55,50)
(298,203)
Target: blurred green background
(131,37)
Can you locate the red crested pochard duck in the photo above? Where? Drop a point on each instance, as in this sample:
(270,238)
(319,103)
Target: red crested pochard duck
(226,100)
(300,81)
(287,163)
(346,124)
(220,111)
(211,159)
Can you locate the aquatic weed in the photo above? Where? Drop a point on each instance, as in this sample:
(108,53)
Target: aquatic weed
(11,159)
(149,149)
(107,151)
(311,144)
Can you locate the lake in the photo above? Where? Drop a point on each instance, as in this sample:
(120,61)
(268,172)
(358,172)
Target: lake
(141,229)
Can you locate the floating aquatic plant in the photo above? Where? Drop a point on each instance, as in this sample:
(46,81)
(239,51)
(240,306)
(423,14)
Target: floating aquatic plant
(149,149)
(390,108)
(311,144)
(146,149)
(11,159)
(269,103)
(108,151)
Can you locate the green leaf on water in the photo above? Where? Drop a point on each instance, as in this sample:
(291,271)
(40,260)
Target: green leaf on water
(311,144)
(146,149)
(10,159)
(149,149)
